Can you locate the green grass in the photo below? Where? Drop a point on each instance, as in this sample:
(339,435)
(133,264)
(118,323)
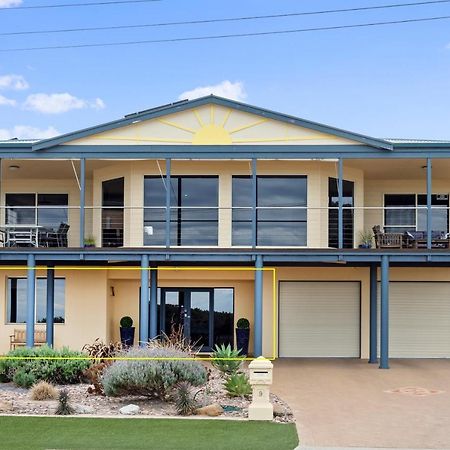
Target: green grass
(161,434)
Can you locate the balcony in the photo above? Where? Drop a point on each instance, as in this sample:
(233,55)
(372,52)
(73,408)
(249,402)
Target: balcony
(277,228)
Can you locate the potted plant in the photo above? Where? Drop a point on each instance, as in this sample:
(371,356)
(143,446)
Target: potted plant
(126,331)
(89,242)
(242,335)
(366,239)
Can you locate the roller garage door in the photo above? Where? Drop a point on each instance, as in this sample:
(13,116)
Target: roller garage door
(419,319)
(319,319)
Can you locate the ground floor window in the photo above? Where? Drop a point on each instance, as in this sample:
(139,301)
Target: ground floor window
(16,308)
(205,314)
(407,212)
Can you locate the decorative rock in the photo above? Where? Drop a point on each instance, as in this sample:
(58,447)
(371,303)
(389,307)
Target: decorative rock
(83,409)
(278,410)
(5,407)
(212,410)
(129,409)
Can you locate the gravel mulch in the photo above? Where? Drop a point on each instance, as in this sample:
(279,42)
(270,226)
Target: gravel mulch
(15,400)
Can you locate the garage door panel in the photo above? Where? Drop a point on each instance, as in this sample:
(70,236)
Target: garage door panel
(319,319)
(419,319)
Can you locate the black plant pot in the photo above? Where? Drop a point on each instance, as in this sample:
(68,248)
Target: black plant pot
(127,336)
(242,338)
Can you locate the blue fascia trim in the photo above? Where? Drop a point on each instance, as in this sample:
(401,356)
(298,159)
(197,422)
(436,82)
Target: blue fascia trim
(223,152)
(177,107)
(167,255)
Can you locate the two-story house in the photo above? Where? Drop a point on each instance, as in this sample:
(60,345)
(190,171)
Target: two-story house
(178,214)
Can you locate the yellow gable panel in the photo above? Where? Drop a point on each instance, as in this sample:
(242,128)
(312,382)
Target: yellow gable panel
(212,125)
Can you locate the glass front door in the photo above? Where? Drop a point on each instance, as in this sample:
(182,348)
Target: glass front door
(205,322)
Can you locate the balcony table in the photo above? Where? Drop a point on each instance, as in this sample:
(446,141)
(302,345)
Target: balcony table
(21,234)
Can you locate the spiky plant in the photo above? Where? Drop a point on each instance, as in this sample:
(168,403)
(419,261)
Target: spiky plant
(238,385)
(184,397)
(64,407)
(227,360)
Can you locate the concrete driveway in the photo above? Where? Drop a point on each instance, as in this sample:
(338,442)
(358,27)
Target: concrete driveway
(350,403)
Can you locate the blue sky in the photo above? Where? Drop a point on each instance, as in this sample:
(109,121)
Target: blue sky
(391,81)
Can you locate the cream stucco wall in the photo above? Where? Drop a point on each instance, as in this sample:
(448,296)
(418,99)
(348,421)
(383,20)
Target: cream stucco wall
(92,311)
(85,308)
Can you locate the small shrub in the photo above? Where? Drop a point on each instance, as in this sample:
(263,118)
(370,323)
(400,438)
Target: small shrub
(175,340)
(102,352)
(243,323)
(43,391)
(64,407)
(184,398)
(42,365)
(126,322)
(224,359)
(151,377)
(23,378)
(238,385)
(93,375)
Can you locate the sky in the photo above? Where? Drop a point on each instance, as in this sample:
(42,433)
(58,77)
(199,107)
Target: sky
(389,82)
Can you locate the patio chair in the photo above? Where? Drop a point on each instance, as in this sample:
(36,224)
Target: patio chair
(56,238)
(387,240)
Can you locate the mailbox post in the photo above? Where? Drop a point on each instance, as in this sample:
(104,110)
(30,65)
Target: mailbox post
(260,379)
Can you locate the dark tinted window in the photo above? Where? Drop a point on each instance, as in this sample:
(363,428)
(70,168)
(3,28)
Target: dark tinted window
(193,210)
(281,212)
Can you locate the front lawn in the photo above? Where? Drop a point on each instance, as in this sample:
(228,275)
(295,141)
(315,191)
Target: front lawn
(85,433)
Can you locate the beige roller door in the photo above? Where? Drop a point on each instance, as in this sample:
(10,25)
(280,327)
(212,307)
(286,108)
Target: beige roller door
(319,319)
(419,320)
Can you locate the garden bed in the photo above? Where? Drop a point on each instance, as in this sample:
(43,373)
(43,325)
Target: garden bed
(15,400)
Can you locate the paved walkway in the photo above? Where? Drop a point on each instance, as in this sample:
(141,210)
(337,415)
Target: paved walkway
(350,403)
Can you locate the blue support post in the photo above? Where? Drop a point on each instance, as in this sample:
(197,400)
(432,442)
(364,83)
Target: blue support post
(258,325)
(144,309)
(254,202)
(429,211)
(50,316)
(341,204)
(384,329)
(153,302)
(31,300)
(373,358)
(168,195)
(82,199)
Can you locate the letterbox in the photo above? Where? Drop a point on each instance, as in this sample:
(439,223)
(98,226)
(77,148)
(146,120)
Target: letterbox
(260,379)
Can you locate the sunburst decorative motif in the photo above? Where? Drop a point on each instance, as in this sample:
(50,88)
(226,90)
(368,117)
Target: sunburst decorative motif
(213,125)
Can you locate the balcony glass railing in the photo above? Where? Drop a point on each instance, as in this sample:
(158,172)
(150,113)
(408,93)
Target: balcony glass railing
(313,227)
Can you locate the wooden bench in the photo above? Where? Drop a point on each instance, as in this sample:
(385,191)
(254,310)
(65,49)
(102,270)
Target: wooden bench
(18,339)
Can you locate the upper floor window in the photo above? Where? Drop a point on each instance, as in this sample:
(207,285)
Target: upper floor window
(16,308)
(407,212)
(194,217)
(281,210)
(46,210)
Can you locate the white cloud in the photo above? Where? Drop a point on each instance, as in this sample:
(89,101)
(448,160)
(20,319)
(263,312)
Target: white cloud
(233,91)
(27,132)
(7,101)
(59,103)
(9,3)
(13,82)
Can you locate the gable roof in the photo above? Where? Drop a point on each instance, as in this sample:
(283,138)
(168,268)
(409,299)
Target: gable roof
(211,99)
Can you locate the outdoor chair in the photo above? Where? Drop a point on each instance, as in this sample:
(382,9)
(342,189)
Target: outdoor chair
(387,240)
(56,238)
(18,339)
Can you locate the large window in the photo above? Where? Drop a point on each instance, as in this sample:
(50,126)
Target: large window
(194,214)
(407,212)
(16,310)
(47,210)
(281,212)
